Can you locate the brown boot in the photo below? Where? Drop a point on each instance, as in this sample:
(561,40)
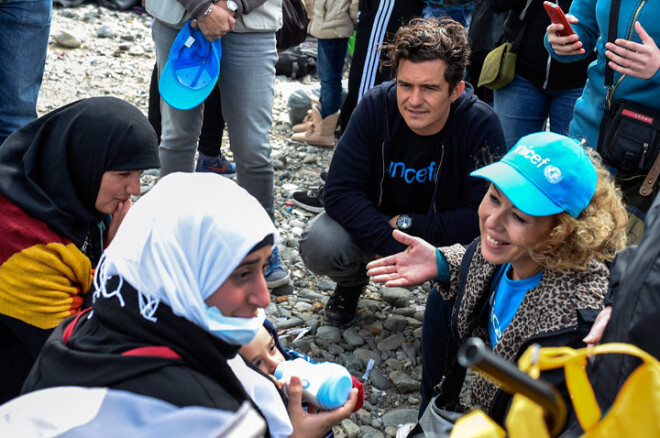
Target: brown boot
(321,133)
(307,121)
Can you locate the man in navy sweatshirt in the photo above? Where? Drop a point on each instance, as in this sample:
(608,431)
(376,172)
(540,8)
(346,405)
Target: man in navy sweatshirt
(404,162)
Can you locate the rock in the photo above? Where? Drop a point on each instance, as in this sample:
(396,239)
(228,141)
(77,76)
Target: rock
(395,364)
(352,337)
(329,334)
(326,285)
(106,31)
(364,355)
(289,323)
(391,342)
(395,323)
(379,380)
(351,362)
(65,39)
(396,296)
(370,432)
(352,430)
(397,417)
(391,431)
(403,382)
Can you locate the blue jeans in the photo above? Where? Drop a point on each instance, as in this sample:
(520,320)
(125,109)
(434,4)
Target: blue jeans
(329,68)
(24,28)
(247,80)
(462,14)
(523,109)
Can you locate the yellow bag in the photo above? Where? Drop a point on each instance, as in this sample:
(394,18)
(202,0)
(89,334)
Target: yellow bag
(498,68)
(636,409)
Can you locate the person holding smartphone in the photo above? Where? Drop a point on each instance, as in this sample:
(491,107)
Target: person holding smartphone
(634,57)
(543,88)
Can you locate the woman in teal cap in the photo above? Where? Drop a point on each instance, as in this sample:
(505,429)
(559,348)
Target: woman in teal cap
(549,220)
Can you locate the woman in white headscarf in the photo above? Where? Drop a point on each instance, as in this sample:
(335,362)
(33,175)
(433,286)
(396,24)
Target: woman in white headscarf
(178,291)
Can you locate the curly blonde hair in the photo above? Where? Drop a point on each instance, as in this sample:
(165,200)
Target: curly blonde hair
(597,234)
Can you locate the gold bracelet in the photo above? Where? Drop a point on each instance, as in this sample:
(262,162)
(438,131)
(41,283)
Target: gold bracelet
(206,14)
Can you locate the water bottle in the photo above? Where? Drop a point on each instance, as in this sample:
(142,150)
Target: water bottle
(325,385)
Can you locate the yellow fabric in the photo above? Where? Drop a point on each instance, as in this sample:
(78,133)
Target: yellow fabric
(44,284)
(524,418)
(636,410)
(476,424)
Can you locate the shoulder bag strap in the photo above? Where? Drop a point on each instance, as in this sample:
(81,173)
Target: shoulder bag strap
(522,17)
(611,36)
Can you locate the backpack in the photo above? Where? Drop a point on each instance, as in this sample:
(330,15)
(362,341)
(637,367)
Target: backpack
(295,63)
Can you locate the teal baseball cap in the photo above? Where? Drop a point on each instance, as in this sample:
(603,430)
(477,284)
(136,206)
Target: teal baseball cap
(192,69)
(544,174)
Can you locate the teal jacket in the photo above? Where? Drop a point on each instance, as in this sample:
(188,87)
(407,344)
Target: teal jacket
(592,30)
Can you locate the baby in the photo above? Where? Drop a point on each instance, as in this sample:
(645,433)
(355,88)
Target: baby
(266,353)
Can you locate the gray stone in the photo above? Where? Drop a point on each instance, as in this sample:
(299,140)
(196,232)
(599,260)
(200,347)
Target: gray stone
(128,37)
(310,295)
(289,323)
(394,364)
(397,296)
(395,323)
(352,430)
(351,362)
(377,423)
(352,337)
(284,290)
(399,416)
(403,382)
(391,342)
(391,431)
(378,379)
(325,284)
(370,432)
(335,349)
(411,351)
(65,39)
(329,333)
(106,31)
(363,416)
(405,311)
(364,355)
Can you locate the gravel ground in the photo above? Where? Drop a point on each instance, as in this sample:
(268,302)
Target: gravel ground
(94,51)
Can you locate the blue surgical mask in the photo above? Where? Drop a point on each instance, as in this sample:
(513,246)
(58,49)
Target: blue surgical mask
(233,330)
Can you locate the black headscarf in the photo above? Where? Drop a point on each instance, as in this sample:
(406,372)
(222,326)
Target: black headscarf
(52,167)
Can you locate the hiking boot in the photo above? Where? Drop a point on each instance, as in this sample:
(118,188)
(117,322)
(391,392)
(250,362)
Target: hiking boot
(341,309)
(307,122)
(310,200)
(276,272)
(219,165)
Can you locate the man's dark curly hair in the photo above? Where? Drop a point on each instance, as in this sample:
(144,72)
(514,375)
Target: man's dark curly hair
(427,40)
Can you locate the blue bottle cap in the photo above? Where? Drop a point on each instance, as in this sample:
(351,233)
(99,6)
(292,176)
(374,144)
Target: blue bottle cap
(334,392)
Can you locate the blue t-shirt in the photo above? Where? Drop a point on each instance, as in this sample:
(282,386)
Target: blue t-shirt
(505,302)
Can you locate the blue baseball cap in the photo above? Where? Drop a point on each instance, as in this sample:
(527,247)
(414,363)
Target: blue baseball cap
(544,174)
(192,69)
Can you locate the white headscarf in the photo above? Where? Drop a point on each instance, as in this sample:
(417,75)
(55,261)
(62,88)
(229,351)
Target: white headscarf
(181,241)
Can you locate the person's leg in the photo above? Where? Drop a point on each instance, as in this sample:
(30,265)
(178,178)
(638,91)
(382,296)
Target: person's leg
(247,76)
(522,108)
(153,112)
(180,129)
(327,248)
(20,344)
(329,67)
(562,106)
(24,27)
(435,344)
(210,138)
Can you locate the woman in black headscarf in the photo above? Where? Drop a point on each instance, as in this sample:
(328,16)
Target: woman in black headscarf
(65,185)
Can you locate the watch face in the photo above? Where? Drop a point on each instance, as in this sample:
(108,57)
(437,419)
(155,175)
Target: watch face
(232,6)
(404,222)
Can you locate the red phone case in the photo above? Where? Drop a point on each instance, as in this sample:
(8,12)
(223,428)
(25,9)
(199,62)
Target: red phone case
(557,16)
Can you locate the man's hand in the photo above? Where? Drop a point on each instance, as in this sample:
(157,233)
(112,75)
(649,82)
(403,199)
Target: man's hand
(564,46)
(117,217)
(393,221)
(634,59)
(314,424)
(220,22)
(411,267)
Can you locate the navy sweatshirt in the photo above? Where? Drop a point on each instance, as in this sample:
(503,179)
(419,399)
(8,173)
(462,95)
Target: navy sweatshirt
(472,138)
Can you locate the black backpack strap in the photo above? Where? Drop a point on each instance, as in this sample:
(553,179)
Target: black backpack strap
(611,36)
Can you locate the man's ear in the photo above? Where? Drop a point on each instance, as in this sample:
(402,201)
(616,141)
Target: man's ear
(457,91)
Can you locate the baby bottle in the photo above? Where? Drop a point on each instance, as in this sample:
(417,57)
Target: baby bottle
(326,385)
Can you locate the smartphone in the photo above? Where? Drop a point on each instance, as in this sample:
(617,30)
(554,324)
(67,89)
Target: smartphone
(557,17)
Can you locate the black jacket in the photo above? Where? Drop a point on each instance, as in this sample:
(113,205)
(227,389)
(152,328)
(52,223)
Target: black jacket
(533,61)
(94,356)
(473,137)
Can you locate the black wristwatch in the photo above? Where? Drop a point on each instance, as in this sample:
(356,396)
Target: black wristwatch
(404,223)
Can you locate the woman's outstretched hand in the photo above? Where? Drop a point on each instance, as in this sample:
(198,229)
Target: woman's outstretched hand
(634,59)
(314,424)
(411,267)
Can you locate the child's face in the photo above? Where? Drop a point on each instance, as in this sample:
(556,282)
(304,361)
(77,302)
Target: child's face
(263,352)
